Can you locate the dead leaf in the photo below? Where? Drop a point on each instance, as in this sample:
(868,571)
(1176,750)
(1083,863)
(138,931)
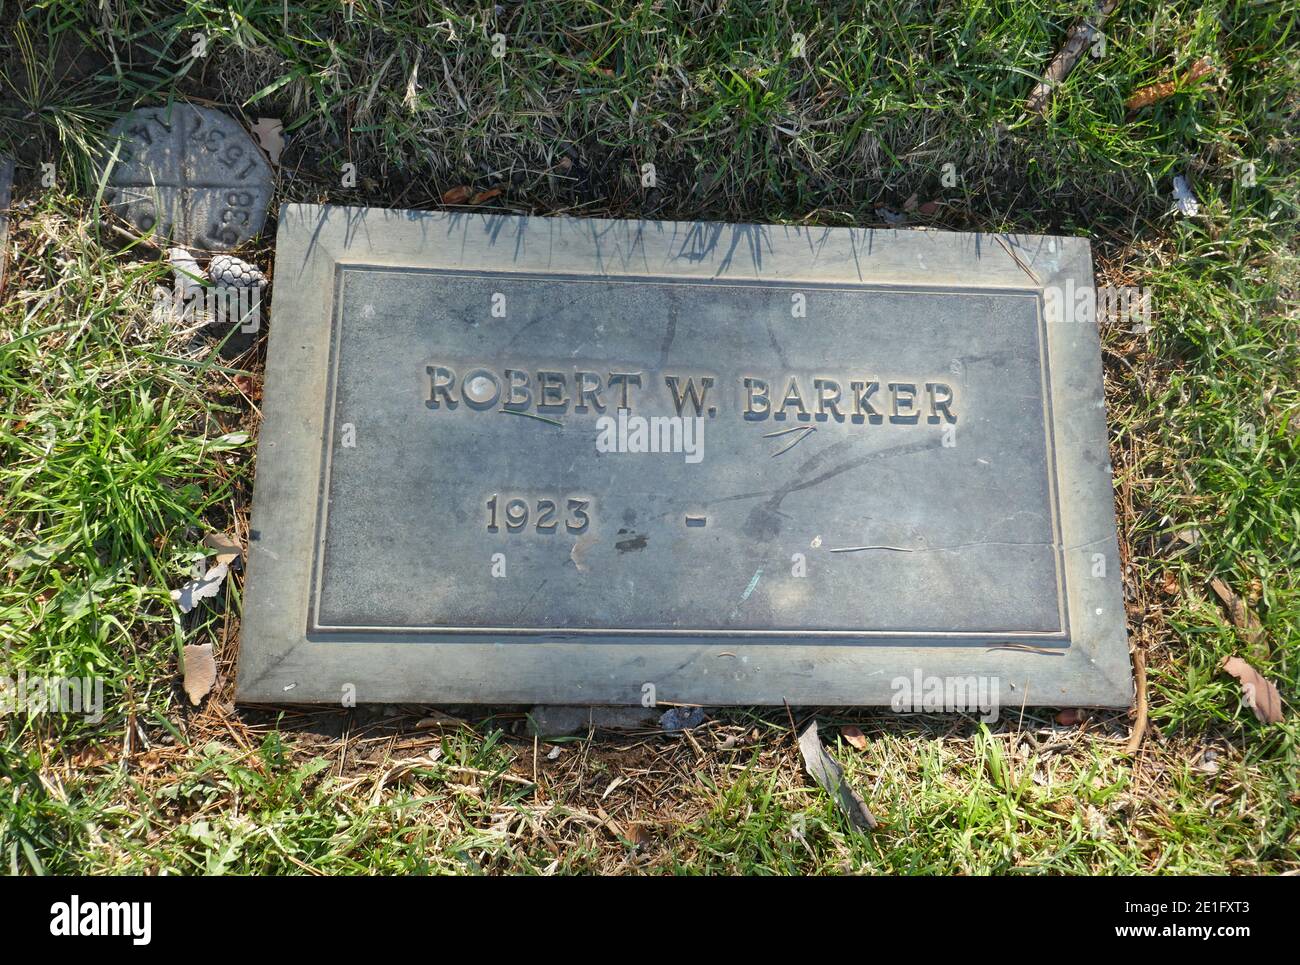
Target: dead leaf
(1243,618)
(1261,695)
(1155,93)
(638,836)
(854,736)
(209,584)
(200,671)
(250,386)
(269,132)
(228,550)
(457,195)
(92,755)
(437,720)
(1170,586)
(1150,95)
(827,772)
(484,196)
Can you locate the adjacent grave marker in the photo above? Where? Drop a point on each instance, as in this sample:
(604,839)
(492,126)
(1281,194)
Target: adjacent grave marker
(188,174)
(546,460)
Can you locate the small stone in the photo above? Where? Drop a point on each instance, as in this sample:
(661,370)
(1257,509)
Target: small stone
(890,216)
(682,718)
(1185,197)
(189,276)
(185,302)
(1208,764)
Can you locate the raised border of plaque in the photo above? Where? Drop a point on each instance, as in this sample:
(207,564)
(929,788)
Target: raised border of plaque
(289,656)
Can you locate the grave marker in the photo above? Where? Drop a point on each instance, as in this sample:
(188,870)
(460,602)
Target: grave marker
(188,174)
(589,462)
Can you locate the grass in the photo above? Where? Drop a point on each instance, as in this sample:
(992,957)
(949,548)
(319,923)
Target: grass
(120,441)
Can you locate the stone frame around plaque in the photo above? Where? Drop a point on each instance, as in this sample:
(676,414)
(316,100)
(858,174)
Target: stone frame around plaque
(284,659)
(6,196)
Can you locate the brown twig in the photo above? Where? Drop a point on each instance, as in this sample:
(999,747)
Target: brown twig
(1155,93)
(794,731)
(1243,618)
(1140,724)
(1080,36)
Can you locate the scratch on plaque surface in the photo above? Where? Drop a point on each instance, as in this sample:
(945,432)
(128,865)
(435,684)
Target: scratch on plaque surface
(579,551)
(753,583)
(776,346)
(530,599)
(809,431)
(670,332)
(858,549)
(1026,648)
(530,415)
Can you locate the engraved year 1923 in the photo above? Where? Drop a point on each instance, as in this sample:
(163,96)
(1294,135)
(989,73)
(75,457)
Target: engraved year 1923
(544,512)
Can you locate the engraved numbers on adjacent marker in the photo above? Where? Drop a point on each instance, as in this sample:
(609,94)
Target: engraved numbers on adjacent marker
(546,514)
(235,214)
(206,136)
(188,173)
